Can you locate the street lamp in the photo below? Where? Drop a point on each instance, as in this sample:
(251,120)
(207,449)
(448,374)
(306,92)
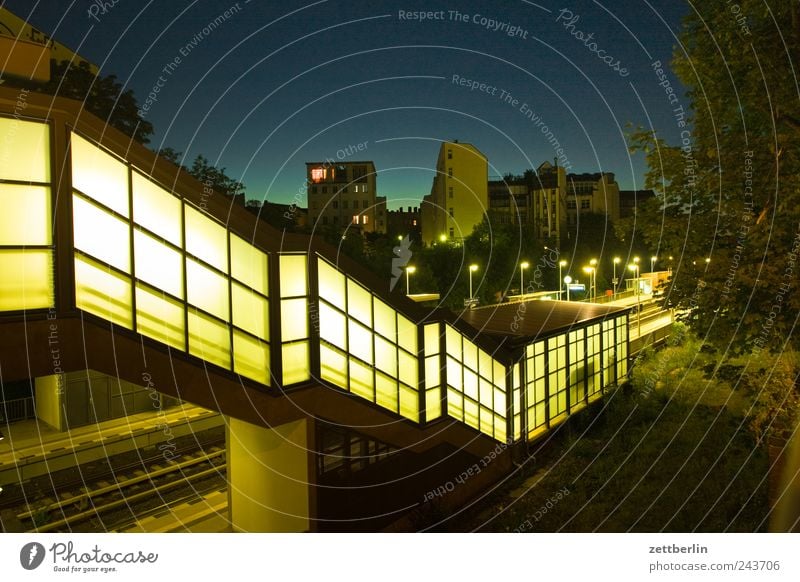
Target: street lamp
(472,269)
(593,264)
(522,266)
(615,280)
(635,269)
(561,265)
(442,238)
(592,272)
(409,271)
(567,281)
(653,260)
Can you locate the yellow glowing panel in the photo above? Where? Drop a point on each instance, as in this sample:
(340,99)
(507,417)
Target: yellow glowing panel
(409,403)
(360,341)
(27,279)
(432,369)
(25,218)
(99,175)
(500,428)
(158,264)
(386,356)
(433,404)
(250,311)
(24,150)
(471,413)
(331,284)
(361,381)
(332,326)
(470,355)
(206,289)
(385,323)
(486,424)
(406,334)
(159,317)
(485,391)
(499,374)
(295,363)
(101,291)
(485,364)
(294,275)
(386,391)
(294,319)
(470,384)
(408,368)
(499,402)
(209,339)
(455,404)
(333,366)
(249,265)
(432,339)
(206,239)
(453,342)
(454,374)
(157,210)
(318,174)
(250,357)
(101,235)
(359,303)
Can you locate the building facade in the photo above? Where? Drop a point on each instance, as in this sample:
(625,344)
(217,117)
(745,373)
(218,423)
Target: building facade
(344,196)
(459,199)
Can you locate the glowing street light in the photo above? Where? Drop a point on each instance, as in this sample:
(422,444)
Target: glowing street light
(615,280)
(472,269)
(567,281)
(635,268)
(561,265)
(592,272)
(653,260)
(409,271)
(522,266)
(442,238)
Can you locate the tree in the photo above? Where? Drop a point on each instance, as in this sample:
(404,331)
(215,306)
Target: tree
(730,192)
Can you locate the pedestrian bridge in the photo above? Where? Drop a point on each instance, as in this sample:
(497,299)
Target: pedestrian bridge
(114,260)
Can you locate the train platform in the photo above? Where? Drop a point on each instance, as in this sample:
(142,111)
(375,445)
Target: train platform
(32,448)
(208,514)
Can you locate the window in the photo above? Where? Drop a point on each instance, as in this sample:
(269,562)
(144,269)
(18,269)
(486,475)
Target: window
(344,189)
(452,232)
(571,205)
(355,219)
(344,204)
(451,213)
(365,219)
(101,234)
(99,175)
(450,191)
(24,150)
(355,204)
(335,220)
(317,174)
(366,204)
(157,210)
(449,154)
(313,189)
(324,189)
(450,172)
(585,204)
(206,239)
(336,205)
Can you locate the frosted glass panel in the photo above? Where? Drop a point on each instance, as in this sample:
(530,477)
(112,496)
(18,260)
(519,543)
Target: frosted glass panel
(385,323)
(159,317)
(331,284)
(157,210)
(294,319)
(431,339)
(249,265)
(361,382)
(101,234)
(158,264)
(101,291)
(250,357)
(25,218)
(209,339)
(409,403)
(386,356)
(27,279)
(99,175)
(386,392)
(433,404)
(295,363)
(408,369)
(206,239)
(406,334)
(432,368)
(332,326)
(206,289)
(360,341)
(333,366)
(250,311)
(359,303)
(294,274)
(24,150)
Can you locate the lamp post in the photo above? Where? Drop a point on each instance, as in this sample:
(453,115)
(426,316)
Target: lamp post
(592,272)
(409,271)
(472,269)
(522,266)
(635,268)
(561,265)
(593,265)
(653,260)
(615,280)
(567,281)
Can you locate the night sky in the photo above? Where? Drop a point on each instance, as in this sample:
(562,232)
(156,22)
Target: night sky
(276,84)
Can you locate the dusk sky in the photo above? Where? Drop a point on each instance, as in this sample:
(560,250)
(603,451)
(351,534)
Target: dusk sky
(273,85)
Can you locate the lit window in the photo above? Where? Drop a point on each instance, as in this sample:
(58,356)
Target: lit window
(250,357)
(24,150)
(157,264)
(27,281)
(206,289)
(159,317)
(156,209)
(249,265)
(355,219)
(295,363)
(26,218)
(293,275)
(206,239)
(250,311)
(101,234)
(99,175)
(317,174)
(365,219)
(209,339)
(103,292)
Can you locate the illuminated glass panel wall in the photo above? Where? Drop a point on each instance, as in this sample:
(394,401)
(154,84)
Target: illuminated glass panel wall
(576,342)
(593,375)
(149,261)
(294,318)
(557,378)
(366,346)
(476,386)
(433,369)
(26,251)
(516,400)
(536,388)
(622,347)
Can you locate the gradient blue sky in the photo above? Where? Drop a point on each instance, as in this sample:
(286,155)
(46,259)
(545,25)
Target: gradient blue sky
(281,83)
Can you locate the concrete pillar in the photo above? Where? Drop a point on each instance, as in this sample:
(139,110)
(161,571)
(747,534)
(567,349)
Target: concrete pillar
(49,398)
(270,476)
